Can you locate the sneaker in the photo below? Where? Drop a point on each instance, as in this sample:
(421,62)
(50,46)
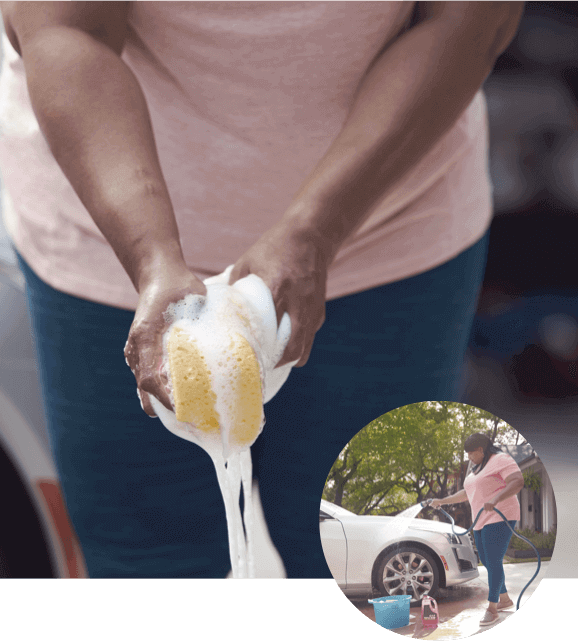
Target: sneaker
(489,618)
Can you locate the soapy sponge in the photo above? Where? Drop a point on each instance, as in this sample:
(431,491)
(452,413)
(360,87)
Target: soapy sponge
(196,378)
(190,377)
(246,404)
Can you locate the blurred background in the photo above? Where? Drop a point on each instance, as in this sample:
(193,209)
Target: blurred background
(523,354)
(526,329)
(523,351)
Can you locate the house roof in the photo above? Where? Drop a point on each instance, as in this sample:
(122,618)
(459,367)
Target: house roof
(520,454)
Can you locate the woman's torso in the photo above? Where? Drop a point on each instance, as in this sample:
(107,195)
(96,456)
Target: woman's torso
(245,98)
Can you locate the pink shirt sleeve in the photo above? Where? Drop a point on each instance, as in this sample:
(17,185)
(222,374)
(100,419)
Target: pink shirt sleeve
(483,487)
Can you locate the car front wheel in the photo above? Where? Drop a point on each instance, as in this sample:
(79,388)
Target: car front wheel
(408,570)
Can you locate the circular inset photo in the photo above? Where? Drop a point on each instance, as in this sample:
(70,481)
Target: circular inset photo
(438,519)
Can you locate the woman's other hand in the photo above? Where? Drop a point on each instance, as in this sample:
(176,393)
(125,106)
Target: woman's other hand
(489,506)
(293,263)
(436,503)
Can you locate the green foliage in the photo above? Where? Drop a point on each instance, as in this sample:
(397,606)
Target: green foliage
(540,540)
(407,455)
(532,480)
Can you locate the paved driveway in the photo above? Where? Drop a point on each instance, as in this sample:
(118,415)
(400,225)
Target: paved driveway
(462,607)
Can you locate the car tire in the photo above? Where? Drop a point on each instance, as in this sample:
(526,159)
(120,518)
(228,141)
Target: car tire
(391,569)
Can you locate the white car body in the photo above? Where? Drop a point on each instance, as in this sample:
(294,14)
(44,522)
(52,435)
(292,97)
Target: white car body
(354,544)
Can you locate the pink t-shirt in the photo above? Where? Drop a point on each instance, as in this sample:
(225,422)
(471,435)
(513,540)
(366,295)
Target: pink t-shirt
(484,486)
(245,98)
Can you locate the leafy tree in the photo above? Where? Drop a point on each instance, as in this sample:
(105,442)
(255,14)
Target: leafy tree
(408,455)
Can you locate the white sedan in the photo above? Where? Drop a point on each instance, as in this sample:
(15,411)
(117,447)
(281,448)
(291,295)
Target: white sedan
(390,556)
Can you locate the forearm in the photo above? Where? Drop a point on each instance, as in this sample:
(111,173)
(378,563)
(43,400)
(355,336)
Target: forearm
(512,488)
(413,94)
(94,117)
(457,498)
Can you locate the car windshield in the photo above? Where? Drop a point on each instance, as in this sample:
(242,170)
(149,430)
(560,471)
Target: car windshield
(339,510)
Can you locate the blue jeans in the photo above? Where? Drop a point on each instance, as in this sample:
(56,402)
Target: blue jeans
(492,542)
(146,504)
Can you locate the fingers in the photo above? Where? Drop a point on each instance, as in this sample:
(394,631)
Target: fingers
(149,375)
(304,357)
(240,271)
(142,356)
(152,385)
(301,348)
(308,345)
(145,403)
(294,348)
(303,330)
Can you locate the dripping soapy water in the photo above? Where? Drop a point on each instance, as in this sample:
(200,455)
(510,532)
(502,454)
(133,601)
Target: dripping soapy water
(234,476)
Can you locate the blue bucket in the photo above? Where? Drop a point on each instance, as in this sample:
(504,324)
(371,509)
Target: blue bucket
(391,611)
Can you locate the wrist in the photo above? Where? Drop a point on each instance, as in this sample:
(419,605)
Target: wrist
(308,223)
(161,264)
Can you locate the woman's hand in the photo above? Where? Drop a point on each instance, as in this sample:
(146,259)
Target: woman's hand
(144,350)
(293,264)
(489,506)
(436,503)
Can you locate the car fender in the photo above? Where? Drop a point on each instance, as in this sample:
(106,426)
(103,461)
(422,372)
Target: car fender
(40,478)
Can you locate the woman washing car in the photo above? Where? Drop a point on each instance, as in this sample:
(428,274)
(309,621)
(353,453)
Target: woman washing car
(494,481)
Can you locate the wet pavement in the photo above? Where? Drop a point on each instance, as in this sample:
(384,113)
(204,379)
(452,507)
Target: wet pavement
(461,608)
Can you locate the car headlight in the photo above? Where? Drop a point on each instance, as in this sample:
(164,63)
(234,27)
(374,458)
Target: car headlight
(453,539)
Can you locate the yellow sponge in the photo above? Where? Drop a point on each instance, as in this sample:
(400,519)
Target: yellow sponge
(194,381)
(192,389)
(246,400)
